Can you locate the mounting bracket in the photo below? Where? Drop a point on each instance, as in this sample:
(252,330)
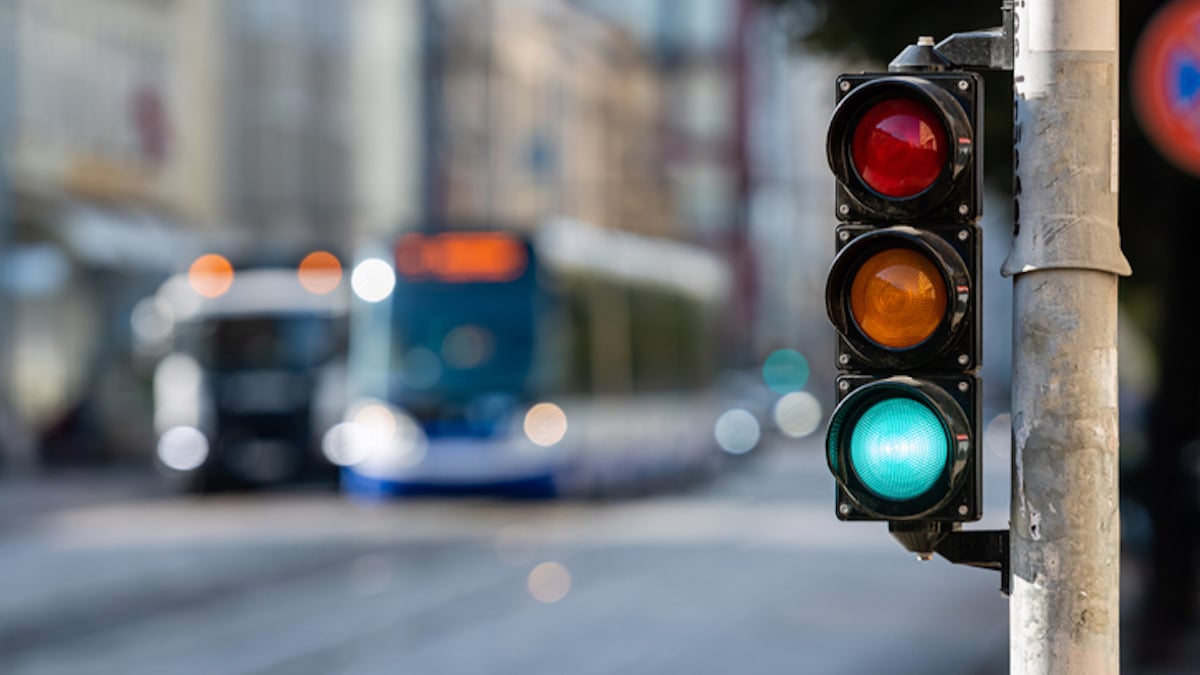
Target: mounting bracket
(986,549)
(985,49)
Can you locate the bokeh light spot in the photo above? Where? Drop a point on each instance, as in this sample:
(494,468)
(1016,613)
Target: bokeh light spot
(549,582)
(178,389)
(421,368)
(320,272)
(737,431)
(152,320)
(373,280)
(467,346)
(545,424)
(785,371)
(409,443)
(343,444)
(385,440)
(376,419)
(997,437)
(211,275)
(798,414)
(183,448)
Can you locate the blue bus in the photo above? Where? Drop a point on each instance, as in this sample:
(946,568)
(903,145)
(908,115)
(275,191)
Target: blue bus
(573,361)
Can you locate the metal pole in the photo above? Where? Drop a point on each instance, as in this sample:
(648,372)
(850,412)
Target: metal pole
(1065,262)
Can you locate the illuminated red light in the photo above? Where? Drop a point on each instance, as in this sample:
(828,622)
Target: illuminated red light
(461,257)
(899,147)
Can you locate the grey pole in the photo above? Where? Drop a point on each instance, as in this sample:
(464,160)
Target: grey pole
(1065,260)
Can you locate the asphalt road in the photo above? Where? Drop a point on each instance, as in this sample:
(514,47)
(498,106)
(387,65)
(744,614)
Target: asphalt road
(749,574)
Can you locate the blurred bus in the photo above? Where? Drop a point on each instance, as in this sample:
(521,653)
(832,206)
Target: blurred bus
(575,361)
(254,372)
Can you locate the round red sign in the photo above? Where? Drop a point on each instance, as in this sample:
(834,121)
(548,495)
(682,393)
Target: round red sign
(1166,83)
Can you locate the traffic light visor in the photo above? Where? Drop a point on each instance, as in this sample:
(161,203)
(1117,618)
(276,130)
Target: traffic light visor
(898,298)
(899,147)
(898,449)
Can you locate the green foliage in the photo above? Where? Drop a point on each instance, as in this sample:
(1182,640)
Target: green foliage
(874,31)
(879,29)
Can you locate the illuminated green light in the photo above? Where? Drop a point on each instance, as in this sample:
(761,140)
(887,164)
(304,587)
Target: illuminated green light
(898,448)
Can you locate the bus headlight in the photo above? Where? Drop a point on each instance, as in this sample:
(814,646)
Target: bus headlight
(375,437)
(545,424)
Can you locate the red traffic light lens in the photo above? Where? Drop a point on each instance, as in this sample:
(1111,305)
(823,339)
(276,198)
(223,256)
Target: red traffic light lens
(899,147)
(898,298)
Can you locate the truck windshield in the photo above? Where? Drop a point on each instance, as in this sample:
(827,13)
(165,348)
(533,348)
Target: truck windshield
(291,342)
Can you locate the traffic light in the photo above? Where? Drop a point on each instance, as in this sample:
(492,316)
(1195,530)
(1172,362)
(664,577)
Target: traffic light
(904,296)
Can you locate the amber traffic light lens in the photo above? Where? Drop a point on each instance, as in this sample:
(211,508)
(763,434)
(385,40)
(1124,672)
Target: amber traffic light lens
(898,298)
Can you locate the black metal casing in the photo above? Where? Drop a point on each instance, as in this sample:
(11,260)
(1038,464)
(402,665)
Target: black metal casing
(963,484)
(957,251)
(940,223)
(957,196)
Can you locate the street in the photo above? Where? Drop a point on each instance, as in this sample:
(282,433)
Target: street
(750,574)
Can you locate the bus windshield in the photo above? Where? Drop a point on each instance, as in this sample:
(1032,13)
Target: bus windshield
(455,341)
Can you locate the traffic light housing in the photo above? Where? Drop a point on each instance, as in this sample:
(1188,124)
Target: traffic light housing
(882,174)
(903,294)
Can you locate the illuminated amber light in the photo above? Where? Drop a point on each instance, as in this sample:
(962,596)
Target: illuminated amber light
(461,257)
(320,272)
(211,275)
(898,298)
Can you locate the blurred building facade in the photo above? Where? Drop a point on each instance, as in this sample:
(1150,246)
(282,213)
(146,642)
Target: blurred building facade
(703,55)
(257,117)
(699,54)
(319,118)
(144,133)
(546,111)
(97,116)
(285,98)
(791,205)
(335,118)
(99,165)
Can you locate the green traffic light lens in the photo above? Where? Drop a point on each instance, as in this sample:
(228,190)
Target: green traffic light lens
(899,448)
